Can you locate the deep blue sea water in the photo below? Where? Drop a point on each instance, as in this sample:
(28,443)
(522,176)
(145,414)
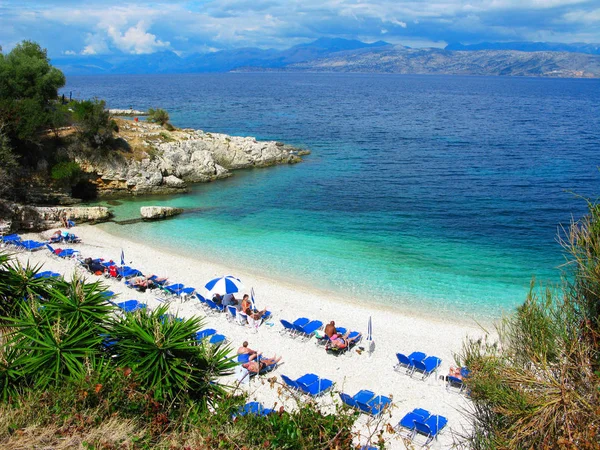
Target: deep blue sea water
(440,194)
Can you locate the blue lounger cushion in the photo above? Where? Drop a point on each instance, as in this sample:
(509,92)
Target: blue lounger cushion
(431,426)
(300,322)
(347,400)
(217,339)
(202,334)
(311,327)
(417,356)
(131,305)
(290,383)
(317,388)
(307,379)
(254,408)
(363,396)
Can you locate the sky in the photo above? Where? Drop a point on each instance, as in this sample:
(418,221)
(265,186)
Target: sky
(81,27)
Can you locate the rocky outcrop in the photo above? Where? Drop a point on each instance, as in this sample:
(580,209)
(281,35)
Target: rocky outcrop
(39,218)
(159,212)
(163,162)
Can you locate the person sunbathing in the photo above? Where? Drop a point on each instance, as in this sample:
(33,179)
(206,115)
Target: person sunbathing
(257,366)
(247,309)
(245,350)
(56,237)
(342,342)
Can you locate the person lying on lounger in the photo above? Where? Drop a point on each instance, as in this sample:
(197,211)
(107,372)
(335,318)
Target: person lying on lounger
(245,350)
(341,342)
(257,366)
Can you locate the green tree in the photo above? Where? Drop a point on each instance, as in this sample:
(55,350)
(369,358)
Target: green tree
(28,85)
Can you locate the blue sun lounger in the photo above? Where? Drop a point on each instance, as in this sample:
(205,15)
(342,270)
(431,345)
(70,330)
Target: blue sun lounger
(375,406)
(430,427)
(203,334)
(108,294)
(47,274)
(217,339)
(130,306)
(288,327)
(306,331)
(214,307)
(427,366)
(362,396)
(408,361)
(406,426)
(310,384)
(10,239)
(30,245)
(253,408)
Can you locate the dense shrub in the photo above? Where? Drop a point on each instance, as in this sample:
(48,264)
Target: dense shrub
(538,385)
(92,121)
(67,172)
(158,115)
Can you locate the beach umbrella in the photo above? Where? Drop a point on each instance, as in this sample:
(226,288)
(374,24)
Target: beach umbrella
(122,257)
(252,300)
(370,341)
(224,285)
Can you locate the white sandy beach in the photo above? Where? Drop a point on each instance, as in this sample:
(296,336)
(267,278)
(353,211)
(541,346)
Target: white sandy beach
(393,332)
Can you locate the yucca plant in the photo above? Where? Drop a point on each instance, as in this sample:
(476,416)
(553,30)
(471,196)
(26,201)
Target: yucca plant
(79,303)
(18,285)
(51,349)
(166,359)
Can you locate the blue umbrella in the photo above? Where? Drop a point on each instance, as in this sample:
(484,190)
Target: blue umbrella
(224,285)
(252,300)
(370,330)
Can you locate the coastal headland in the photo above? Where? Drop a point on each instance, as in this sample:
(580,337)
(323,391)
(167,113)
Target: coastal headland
(158,161)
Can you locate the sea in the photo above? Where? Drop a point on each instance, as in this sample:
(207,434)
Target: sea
(440,195)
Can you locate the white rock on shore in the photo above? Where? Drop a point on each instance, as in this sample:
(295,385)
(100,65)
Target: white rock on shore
(159,212)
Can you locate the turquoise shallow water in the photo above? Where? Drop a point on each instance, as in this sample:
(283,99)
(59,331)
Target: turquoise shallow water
(434,194)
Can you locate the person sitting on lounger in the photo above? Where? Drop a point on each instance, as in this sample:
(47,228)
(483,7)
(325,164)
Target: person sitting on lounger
(217,299)
(247,309)
(330,329)
(229,299)
(245,350)
(257,366)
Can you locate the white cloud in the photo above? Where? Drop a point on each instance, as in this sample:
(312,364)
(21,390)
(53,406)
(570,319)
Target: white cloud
(136,39)
(69,52)
(96,44)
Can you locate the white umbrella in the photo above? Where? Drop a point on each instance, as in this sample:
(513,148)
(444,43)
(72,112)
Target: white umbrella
(370,341)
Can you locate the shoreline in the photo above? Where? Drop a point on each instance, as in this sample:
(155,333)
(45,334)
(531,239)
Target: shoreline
(392,332)
(295,284)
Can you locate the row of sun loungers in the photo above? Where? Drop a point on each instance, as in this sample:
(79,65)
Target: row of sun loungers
(15,241)
(422,422)
(418,362)
(367,402)
(309,384)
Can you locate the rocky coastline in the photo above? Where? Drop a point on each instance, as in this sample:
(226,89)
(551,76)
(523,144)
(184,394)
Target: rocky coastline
(165,162)
(151,161)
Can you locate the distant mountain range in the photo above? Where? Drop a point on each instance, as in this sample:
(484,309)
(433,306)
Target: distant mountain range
(591,49)
(342,55)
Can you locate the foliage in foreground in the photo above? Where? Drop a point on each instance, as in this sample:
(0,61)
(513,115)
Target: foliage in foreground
(538,385)
(75,374)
